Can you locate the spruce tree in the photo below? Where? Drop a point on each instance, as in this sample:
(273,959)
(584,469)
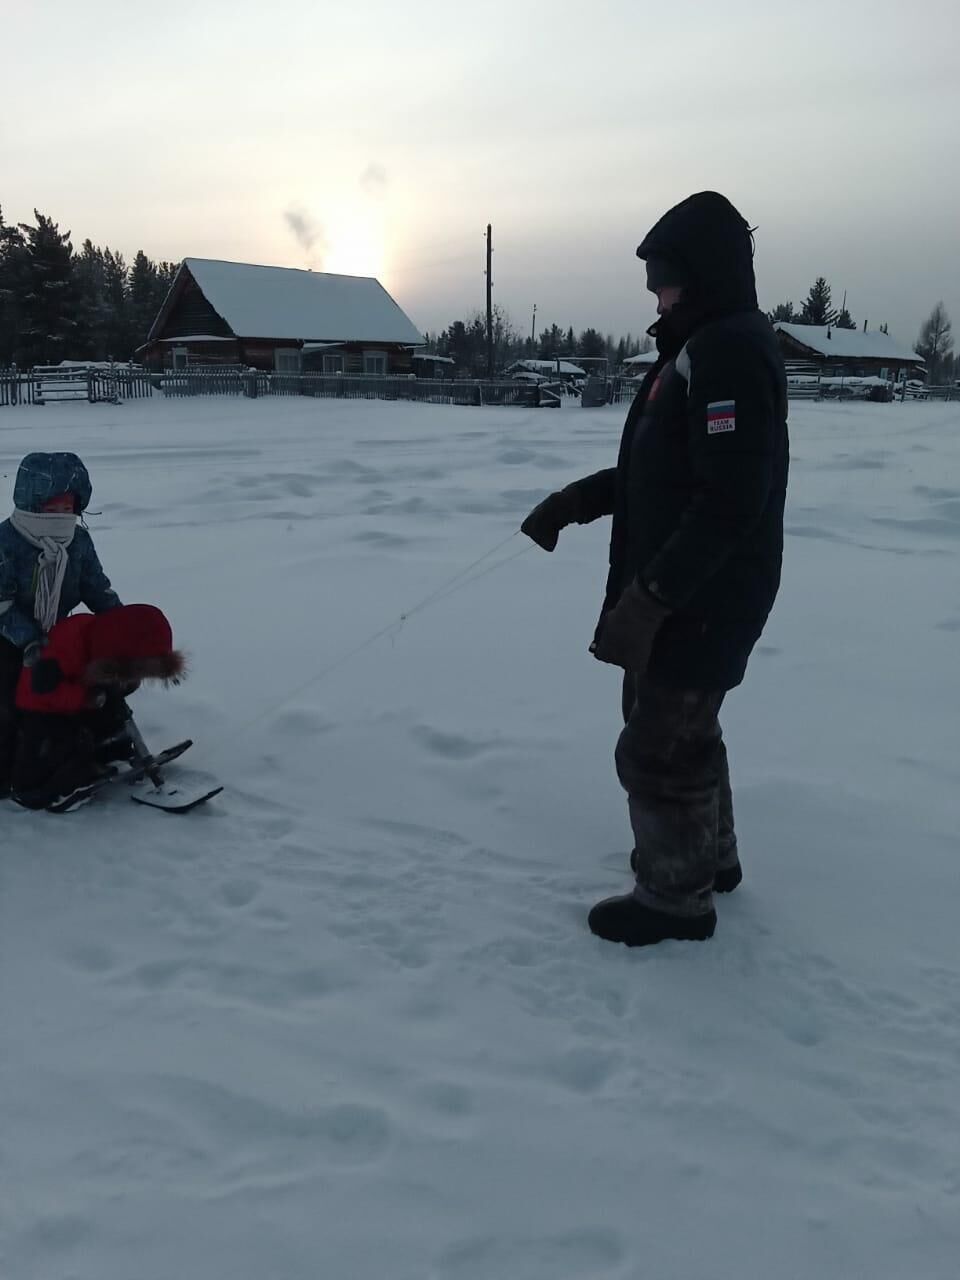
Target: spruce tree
(143,300)
(591,344)
(92,317)
(49,320)
(817,308)
(13,286)
(118,333)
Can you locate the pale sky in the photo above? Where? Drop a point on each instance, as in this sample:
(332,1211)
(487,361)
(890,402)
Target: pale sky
(379,138)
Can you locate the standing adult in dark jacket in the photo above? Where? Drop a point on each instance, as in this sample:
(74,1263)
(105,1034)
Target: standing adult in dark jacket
(697,499)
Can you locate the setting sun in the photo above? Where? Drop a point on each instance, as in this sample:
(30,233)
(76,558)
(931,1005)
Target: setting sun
(357,244)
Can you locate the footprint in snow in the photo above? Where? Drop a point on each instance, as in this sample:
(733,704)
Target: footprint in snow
(303,722)
(239,893)
(446,1098)
(381,540)
(569,1255)
(584,1069)
(90,957)
(267,1135)
(450,746)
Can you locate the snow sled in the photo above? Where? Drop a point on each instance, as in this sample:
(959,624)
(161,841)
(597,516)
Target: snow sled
(145,774)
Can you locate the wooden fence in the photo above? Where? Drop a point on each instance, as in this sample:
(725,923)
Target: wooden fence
(217,381)
(16,387)
(949,391)
(94,383)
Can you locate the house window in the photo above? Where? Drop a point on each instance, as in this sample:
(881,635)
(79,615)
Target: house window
(333,364)
(180,357)
(375,363)
(286,360)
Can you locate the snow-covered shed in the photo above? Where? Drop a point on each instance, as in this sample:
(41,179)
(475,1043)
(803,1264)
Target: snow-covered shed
(279,318)
(848,352)
(639,365)
(428,365)
(555,370)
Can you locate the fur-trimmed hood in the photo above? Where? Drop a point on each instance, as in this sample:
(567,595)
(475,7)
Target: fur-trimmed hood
(169,668)
(122,646)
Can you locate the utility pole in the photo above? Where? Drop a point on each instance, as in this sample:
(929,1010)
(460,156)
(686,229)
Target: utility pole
(533,326)
(489,301)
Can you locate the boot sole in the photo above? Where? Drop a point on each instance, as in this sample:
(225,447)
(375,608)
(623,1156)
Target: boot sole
(650,927)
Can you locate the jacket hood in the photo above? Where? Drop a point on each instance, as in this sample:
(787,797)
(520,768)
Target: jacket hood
(133,642)
(710,241)
(42,476)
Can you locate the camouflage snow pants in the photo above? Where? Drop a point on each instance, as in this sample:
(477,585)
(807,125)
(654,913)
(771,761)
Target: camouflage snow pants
(672,763)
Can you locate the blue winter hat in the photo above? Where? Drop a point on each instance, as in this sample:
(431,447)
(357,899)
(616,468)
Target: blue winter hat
(42,476)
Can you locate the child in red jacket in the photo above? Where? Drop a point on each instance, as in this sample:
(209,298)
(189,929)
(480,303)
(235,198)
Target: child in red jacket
(72,698)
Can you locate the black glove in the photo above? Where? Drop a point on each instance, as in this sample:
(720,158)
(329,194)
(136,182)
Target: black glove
(45,675)
(628,631)
(554,513)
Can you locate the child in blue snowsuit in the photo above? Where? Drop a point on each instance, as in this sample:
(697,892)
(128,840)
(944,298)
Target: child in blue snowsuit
(48,566)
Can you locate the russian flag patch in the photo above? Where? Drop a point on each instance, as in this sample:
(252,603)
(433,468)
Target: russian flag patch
(721,416)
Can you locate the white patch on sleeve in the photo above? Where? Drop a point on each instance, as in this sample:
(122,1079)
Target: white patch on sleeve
(721,416)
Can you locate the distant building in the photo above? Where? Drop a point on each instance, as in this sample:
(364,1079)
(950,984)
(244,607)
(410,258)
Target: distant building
(638,366)
(834,353)
(553,370)
(426,365)
(279,318)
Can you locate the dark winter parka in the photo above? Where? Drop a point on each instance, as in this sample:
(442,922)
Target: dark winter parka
(697,496)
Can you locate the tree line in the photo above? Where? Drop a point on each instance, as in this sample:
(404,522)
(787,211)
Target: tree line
(57,304)
(465,342)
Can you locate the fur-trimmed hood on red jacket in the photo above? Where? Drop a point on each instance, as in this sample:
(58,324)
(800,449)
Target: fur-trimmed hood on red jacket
(89,651)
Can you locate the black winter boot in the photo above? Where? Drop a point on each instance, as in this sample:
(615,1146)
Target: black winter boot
(624,919)
(727,878)
(725,881)
(68,788)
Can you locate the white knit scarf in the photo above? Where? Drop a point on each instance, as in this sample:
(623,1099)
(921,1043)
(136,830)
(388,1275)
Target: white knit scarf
(51,533)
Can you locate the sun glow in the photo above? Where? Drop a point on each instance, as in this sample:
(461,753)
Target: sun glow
(356,245)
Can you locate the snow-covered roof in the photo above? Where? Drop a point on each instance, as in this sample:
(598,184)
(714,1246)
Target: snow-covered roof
(811,380)
(199,337)
(290,304)
(848,344)
(425,355)
(550,366)
(645,357)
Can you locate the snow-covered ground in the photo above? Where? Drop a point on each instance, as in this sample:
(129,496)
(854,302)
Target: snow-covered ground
(347,1021)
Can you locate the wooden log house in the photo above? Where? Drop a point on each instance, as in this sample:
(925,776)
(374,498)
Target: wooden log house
(279,319)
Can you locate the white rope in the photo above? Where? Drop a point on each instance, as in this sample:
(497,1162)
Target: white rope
(462,578)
